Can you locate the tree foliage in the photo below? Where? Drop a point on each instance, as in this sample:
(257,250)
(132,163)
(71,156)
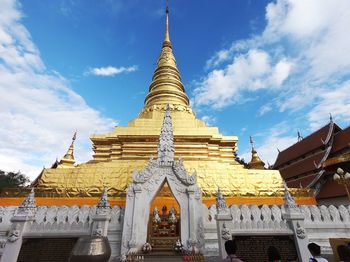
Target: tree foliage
(12,179)
(240,160)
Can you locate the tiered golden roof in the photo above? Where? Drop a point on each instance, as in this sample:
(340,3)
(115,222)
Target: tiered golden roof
(203,148)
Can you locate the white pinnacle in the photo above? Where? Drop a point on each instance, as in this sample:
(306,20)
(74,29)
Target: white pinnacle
(166,141)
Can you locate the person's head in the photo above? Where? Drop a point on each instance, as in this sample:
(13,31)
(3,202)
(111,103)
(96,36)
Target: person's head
(230,247)
(314,249)
(343,253)
(273,253)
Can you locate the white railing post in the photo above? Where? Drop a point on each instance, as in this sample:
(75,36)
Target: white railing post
(24,216)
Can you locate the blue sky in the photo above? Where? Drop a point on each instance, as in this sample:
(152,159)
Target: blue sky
(261,68)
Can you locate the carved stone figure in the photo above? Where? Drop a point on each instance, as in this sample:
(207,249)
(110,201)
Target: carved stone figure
(221,205)
(3,242)
(301,232)
(14,234)
(225,233)
(97,231)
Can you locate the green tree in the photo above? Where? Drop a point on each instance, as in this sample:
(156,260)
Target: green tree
(12,179)
(240,160)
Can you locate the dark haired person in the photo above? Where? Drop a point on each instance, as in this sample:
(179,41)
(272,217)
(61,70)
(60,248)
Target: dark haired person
(315,251)
(343,253)
(273,254)
(231,248)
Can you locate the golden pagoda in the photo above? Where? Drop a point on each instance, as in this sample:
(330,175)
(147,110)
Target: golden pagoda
(255,162)
(202,148)
(68,160)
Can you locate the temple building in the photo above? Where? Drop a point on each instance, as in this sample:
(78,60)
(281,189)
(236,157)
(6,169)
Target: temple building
(202,149)
(313,161)
(168,184)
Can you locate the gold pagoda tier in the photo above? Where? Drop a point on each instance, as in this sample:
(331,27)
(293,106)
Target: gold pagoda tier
(202,148)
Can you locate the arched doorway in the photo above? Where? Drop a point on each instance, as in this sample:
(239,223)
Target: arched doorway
(164,220)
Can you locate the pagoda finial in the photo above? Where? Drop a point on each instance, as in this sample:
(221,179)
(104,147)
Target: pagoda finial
(256,162)
(166,140)
(251,141)
(166,36)
(330,117)
(166,86)
(299,137)
(68,159)
(103,205)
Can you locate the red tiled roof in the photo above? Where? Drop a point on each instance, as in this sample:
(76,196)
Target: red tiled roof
(303,181)
(341,140)
(331,189)
(302,166)
(308,144)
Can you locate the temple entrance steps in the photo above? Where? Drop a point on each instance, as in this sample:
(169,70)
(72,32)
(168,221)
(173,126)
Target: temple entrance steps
(163,256)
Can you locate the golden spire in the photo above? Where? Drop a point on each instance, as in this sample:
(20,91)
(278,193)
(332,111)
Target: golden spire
(256,162)
(167,37)
(68,159)
(166,86)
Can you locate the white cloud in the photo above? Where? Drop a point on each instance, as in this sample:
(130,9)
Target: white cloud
(280,72)
(305,48)
(335,101)
(111,70)
(317,29)
(218,58)
(38,111)
(265,109)
(251,71)
(209,120)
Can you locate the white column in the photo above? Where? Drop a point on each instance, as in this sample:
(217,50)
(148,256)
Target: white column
(223,223)
(191,217)
(100,224)
(295,220)
(127,221)
(102,216)
(13,245)
(21,221)
(133,243)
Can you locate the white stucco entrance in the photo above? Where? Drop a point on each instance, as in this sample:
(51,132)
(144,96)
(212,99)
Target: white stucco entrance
(146,185)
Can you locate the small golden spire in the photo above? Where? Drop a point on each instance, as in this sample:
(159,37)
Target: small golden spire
(256,162)
(68,159)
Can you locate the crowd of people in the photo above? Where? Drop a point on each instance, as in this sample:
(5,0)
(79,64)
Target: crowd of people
(273,253)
